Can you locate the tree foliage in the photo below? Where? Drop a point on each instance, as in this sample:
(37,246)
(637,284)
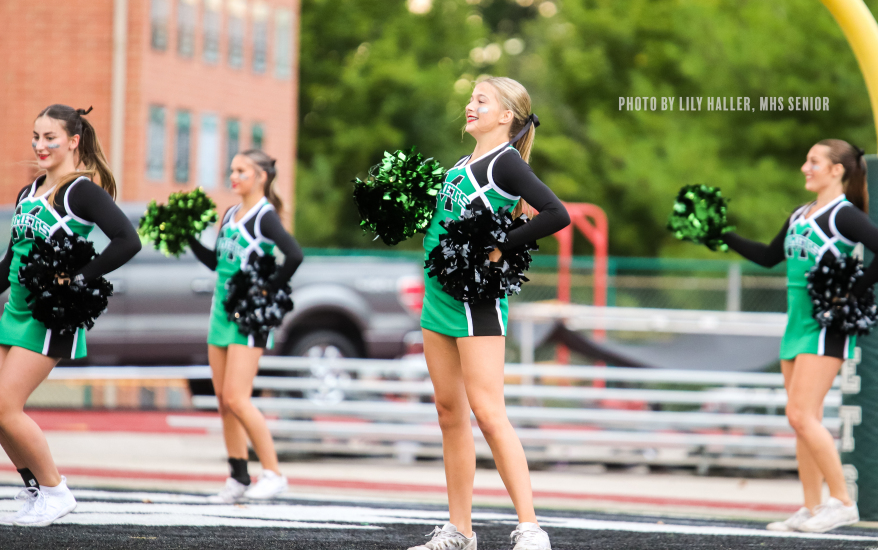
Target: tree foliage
(376,76)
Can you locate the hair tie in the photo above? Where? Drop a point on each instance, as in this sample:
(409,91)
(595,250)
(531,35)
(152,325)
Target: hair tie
(83,112)
(532,119)
(860,152)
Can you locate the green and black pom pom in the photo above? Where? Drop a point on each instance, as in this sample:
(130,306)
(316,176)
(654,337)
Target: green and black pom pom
(700,216)
(64,307)
(168,226)
(461,264)
(398,198)
(831,284)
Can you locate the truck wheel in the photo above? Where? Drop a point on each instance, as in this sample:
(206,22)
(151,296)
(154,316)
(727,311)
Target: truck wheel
(324,343)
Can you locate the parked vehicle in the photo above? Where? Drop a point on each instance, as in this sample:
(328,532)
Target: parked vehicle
(349,306)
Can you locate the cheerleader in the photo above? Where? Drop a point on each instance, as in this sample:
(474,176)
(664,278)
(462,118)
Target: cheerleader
(810,355)
(464,343)
(248,230)
(64,198)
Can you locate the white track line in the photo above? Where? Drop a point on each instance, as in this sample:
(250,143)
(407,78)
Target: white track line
(168,509)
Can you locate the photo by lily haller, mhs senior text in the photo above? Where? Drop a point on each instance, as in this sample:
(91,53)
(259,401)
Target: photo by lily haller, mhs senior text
(771,103)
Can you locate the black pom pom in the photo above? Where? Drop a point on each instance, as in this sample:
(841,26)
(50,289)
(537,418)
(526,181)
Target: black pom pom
(830,285)
(460,261)
(63,307)
(255,302)
(398,198)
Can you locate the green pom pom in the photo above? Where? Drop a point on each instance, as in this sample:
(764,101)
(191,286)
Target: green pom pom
(168,227)
(398,198)
(699,216)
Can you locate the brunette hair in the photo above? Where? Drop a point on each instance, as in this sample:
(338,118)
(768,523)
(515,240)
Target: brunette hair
(265,163)
(91,161)
(854,178)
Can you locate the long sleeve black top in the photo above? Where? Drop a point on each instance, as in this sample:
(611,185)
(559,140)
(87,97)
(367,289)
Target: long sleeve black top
(273,230)
(852,223)
(91,203)
(515,177)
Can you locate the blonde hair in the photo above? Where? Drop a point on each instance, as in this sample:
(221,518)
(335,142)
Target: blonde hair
(515,98)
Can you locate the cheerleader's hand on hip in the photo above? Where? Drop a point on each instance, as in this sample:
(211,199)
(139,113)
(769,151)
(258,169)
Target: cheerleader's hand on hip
(495,255)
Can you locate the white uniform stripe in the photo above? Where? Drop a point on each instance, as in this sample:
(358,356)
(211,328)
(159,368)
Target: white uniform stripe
(469,319)
(46,341)
(499,316)
(821,342)
(75,340)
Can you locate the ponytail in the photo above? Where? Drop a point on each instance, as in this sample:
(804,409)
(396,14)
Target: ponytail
(266,164)
(854,178)
(514,97)
(91,161)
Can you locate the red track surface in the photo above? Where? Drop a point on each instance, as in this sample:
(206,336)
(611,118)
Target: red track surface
(156,422)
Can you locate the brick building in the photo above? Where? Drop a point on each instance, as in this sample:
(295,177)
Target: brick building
(178,86)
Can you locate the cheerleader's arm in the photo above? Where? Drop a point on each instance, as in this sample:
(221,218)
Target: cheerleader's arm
(271,228)
(766,255)
(854,225)
(90,202)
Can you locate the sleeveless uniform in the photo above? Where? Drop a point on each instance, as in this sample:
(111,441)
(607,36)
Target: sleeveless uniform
(807,240)
(464,185)
(237,244)
(35,219)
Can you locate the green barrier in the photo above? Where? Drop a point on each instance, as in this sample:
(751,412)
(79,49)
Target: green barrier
(859,410)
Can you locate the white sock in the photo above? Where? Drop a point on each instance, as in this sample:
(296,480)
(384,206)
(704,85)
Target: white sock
(59,489)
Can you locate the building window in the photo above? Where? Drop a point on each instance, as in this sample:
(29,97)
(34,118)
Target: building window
(186,27)
(233,131)
(155,143)
(208,151)
(213,26)
(183,147)
(283,43)
(257,135)
(159,13)
(237,13)
(260,37)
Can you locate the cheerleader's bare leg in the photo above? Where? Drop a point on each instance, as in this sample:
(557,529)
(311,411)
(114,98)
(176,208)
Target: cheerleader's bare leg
(458,450)
(20,373)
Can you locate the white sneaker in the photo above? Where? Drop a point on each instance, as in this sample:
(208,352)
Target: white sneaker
(447,538)
(50,504)
(529,536)
(29,496)
(792,523)
(231,493)
(269,485)
(831,515)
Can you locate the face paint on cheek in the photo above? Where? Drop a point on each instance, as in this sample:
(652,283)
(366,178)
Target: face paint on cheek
(33,144)
(483,110)
(52,146)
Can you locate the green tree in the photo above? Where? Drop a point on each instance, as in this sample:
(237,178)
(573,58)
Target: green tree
(376,76)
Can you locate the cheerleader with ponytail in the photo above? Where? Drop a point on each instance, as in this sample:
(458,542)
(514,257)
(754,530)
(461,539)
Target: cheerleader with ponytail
(243,259)
(464,333)
(56,290)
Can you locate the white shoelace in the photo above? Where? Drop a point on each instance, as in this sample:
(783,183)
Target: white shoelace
(39,501)
(441,539)
(527,537)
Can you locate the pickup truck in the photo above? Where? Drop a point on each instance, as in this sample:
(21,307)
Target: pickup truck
(350,306)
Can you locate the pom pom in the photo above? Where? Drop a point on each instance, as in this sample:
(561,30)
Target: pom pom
(254,301)
(700,216)
(460,261)
(168,226)
(63,307)
(398,198)
(830,285)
